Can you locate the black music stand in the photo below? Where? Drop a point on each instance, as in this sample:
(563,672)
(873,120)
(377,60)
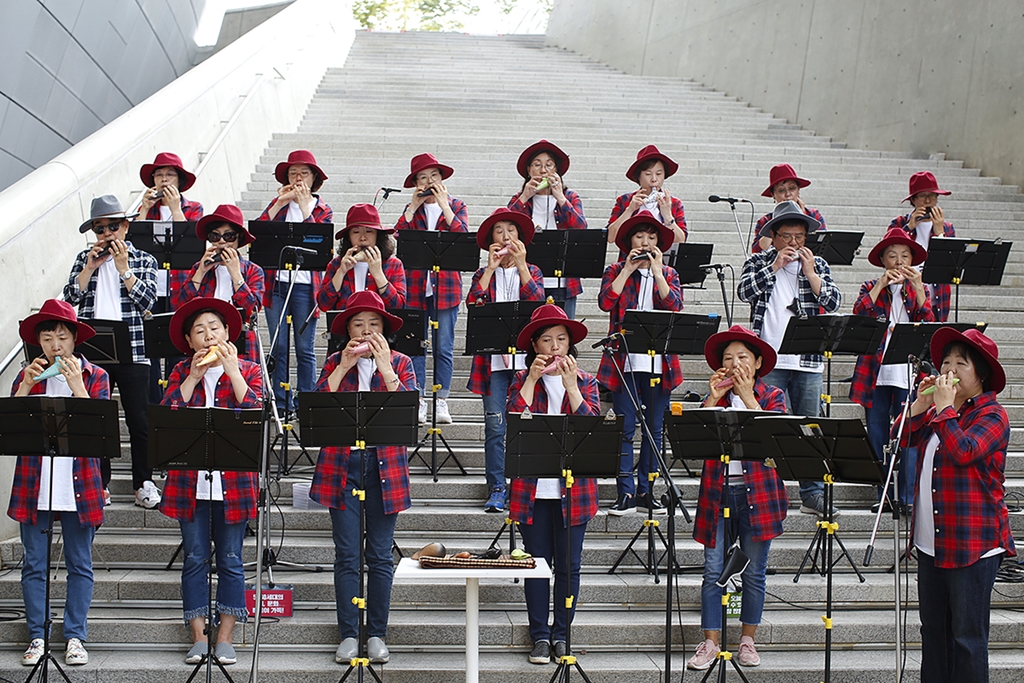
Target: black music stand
(826,335)
(204,440)
(914,339)
(112,344)
(173,244)
(563,446)
(837,247)
(156,331)
(50,427)
(361,418)
(958,261)
(689,259)
(408,340)
(569,253)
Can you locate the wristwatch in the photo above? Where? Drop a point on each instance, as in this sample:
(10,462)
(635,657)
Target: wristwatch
(127,275)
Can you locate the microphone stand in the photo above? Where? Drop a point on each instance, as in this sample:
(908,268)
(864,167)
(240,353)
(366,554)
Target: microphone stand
(719,269)
(739,232)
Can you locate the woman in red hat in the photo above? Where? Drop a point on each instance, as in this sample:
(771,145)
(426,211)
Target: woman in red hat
(296,202)
(639,281)
(432,208)
(213,376)
(223,273)
(753,492)
(898,296)
(552,206)
(76,496)
(365,363)
(960,524)
(539,505)
(649,171)
(927,220)
(784,185)
(506,277)
(367,262)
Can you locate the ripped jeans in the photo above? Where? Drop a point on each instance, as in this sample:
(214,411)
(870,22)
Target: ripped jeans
(494,428)
(195,536)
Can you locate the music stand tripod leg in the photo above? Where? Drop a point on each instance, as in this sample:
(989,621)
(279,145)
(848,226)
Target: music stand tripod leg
(569,661)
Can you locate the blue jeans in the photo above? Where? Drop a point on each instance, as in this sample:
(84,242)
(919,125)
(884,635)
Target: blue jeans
(654,402)
(494,428)
(227,540)
(714,561)
(446,318)
(545,537)
(955,619)
(380,565)
(803,397)
(886,404)
(299,307)
(77,540)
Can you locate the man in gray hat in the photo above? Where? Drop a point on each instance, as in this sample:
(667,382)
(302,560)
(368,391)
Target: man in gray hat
(785,281)
(112,280)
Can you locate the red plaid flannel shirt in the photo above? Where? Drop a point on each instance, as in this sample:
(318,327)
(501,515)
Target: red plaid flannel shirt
(623,201)
(568,217)
(448,283)
(865,372)
(240,488)
(480,373)
(766,492)
(330,299)
(618,304)
(331,475)
(86,471)
(321,214)
(248,297)
(176,278)
(967,479)
(942,295)
(524,491)
(756,246)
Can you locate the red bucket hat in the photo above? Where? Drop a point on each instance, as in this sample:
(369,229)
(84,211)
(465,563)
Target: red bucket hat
(523,222)
(646,154)
(714,347)
(300,156)
(665,234)
(781,172)
(421,162)
(54,309)
(225,213)
(982,344)
(167,160)
(227,310)
(366,300)
(924,181)
(550,314)
(897,236)
(362,215)
(560,157)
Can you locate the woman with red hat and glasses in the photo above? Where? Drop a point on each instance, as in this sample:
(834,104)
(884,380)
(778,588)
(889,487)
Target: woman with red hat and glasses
(76,495)
(296,202)
(213,377)
(222,273)
(506,277)
(752,492)
(960,524)
(432,208)
(539,505)
(898,296)
(649,171)
(367,262)
(783,185)
(639,281)
(365,363)
(552,206)
(927,220)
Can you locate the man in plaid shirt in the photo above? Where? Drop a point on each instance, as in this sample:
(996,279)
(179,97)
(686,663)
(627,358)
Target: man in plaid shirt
(112,280)
(783,282)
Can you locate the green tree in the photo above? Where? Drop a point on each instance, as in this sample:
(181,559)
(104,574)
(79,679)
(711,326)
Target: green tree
(402,15)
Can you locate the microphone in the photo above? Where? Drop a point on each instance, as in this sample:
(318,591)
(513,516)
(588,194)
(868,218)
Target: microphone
(607,340)
(923,365)
(712,266)
(732,200)
(301,250)
(388,190)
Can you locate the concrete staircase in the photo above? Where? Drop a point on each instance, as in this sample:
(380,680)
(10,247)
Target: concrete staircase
(476,103)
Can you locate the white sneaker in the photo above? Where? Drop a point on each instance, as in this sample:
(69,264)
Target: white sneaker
(75,654)
(423,411)
(443,415)
(148,496)
(34,653)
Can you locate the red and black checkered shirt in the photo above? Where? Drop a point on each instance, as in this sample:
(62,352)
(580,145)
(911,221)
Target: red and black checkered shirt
(447,283)
(941,294)
(568,217)
(330,299)
(248,297)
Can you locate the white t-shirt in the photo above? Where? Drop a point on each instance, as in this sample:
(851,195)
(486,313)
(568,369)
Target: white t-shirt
(506,288)
(210,489)
(225,288)
(359,275)
(551,487)
(302,277)
(432,213)
(777,315)
(108,292)
(365,367)
(161,275)
(895,374)
(641,362)
(63,467)
(544,219)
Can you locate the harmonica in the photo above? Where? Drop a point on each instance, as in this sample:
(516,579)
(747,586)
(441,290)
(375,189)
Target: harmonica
(159,194)
(642,256)
(105,251)
(425,193)
(217,258)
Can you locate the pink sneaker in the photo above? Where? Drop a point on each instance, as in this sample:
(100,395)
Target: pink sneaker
(706,654)
(748,653)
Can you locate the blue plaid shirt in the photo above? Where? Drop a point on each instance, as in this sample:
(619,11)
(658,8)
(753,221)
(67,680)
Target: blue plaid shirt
(758,281)
(133,303)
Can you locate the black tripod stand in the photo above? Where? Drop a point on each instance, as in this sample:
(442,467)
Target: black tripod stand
(76,427)
(956,261)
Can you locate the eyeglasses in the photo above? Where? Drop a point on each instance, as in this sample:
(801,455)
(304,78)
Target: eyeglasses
(792,237)
(111,227)
(214,237)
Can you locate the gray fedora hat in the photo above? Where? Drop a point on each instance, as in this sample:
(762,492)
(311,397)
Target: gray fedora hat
(787,212)
(107,206)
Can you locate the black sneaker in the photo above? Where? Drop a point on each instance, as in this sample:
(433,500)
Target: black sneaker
(541,652)
(884,504)
(559,650)
(623,505)
(647,502)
